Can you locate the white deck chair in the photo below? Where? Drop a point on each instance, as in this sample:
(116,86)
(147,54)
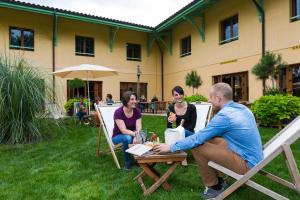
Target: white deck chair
(280,143)
(203,115)
(106,117)
(54,111)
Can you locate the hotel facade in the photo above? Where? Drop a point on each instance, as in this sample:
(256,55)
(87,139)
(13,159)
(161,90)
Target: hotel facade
(221,39)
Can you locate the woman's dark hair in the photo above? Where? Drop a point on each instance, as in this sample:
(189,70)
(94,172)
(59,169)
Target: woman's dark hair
(126,97)
(178,89)
(109,96)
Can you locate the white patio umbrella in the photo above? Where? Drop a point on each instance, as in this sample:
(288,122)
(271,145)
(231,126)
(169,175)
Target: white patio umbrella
(87,71)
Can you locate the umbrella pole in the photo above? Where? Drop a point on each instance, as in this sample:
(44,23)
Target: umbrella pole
(88,86)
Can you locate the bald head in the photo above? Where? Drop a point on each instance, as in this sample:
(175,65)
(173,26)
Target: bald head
(223,90)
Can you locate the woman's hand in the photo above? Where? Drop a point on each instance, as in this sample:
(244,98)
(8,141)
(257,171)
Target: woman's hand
(172,117)
(134,141)
(135,137)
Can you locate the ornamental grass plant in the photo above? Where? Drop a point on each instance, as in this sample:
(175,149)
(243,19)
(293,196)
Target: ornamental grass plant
(23,96)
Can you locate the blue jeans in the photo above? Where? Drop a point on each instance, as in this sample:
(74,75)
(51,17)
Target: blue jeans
(80,115)
(188,133)
(125,140)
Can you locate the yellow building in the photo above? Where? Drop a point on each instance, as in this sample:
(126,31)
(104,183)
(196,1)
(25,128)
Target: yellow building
(221,39)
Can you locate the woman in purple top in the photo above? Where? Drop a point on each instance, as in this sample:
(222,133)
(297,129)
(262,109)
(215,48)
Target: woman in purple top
(127,122)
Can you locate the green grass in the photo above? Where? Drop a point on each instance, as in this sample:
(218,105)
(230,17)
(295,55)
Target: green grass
(66,167)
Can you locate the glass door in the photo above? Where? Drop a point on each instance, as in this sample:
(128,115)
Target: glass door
(238,82)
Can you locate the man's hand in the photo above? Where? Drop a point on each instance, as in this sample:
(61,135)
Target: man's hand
(161,148)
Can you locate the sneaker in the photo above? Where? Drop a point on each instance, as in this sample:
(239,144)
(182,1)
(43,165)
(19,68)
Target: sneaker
(210,194)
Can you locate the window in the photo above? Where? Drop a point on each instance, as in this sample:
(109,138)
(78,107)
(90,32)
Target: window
(20,38)
(238,82)
(229,29)
(295,15)
(95,90)
(84,46)
(185,46)
(133,52)
(131,86)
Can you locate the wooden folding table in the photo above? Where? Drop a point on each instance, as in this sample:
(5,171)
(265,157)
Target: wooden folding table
(148,162)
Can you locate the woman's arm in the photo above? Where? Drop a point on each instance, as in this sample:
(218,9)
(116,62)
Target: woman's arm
(121,125)
(191,118)
(138,124)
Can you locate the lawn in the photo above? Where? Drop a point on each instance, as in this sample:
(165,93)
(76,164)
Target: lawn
(65,167)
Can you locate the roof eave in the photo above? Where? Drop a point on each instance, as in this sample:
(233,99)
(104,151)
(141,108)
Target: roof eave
(177,18)
(73,16)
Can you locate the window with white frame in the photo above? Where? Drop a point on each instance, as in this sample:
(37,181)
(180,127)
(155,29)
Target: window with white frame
(229,30)
(185,46)
(84,46)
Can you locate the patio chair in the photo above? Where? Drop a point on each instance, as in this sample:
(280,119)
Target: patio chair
(76,109)
(203,115)
(106,117)
(54,111)
(280,143)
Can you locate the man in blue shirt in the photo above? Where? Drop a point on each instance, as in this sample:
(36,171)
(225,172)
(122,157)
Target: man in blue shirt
(231,139)
(109,100)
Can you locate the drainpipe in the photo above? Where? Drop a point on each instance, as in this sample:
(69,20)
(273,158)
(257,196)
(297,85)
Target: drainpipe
(54,32)
(263,35)
(162,70)
(263,32)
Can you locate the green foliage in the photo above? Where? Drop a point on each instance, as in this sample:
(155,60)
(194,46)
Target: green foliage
(76,83)
(273,110)
(65,167)
(274,91)
(193,80)
(69,105)
(270,65)
(195,98)
(23,94)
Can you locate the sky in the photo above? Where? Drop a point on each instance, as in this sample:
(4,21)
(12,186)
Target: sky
(145,12)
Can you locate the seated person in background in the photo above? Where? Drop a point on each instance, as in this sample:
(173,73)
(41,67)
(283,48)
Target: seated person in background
(127,124)
(109,100)
(181,110)
(143,100)
(230,139)
(81,111)
(153,100)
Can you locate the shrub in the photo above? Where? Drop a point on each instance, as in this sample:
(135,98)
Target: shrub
(69,105)
(23,94)
(273,91)
(274,110)
(195,98)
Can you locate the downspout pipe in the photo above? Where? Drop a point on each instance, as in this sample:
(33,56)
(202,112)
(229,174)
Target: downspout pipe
(263,26)
(54,27)
(263,37)
(162,69)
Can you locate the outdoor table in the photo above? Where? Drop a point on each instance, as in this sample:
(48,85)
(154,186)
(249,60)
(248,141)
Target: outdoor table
(148,162)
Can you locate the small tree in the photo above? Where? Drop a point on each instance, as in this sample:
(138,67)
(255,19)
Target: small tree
(76,83)
(270,65)
(193,80)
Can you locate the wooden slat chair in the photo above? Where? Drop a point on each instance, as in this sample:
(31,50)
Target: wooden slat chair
(280,143)
(106,117)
